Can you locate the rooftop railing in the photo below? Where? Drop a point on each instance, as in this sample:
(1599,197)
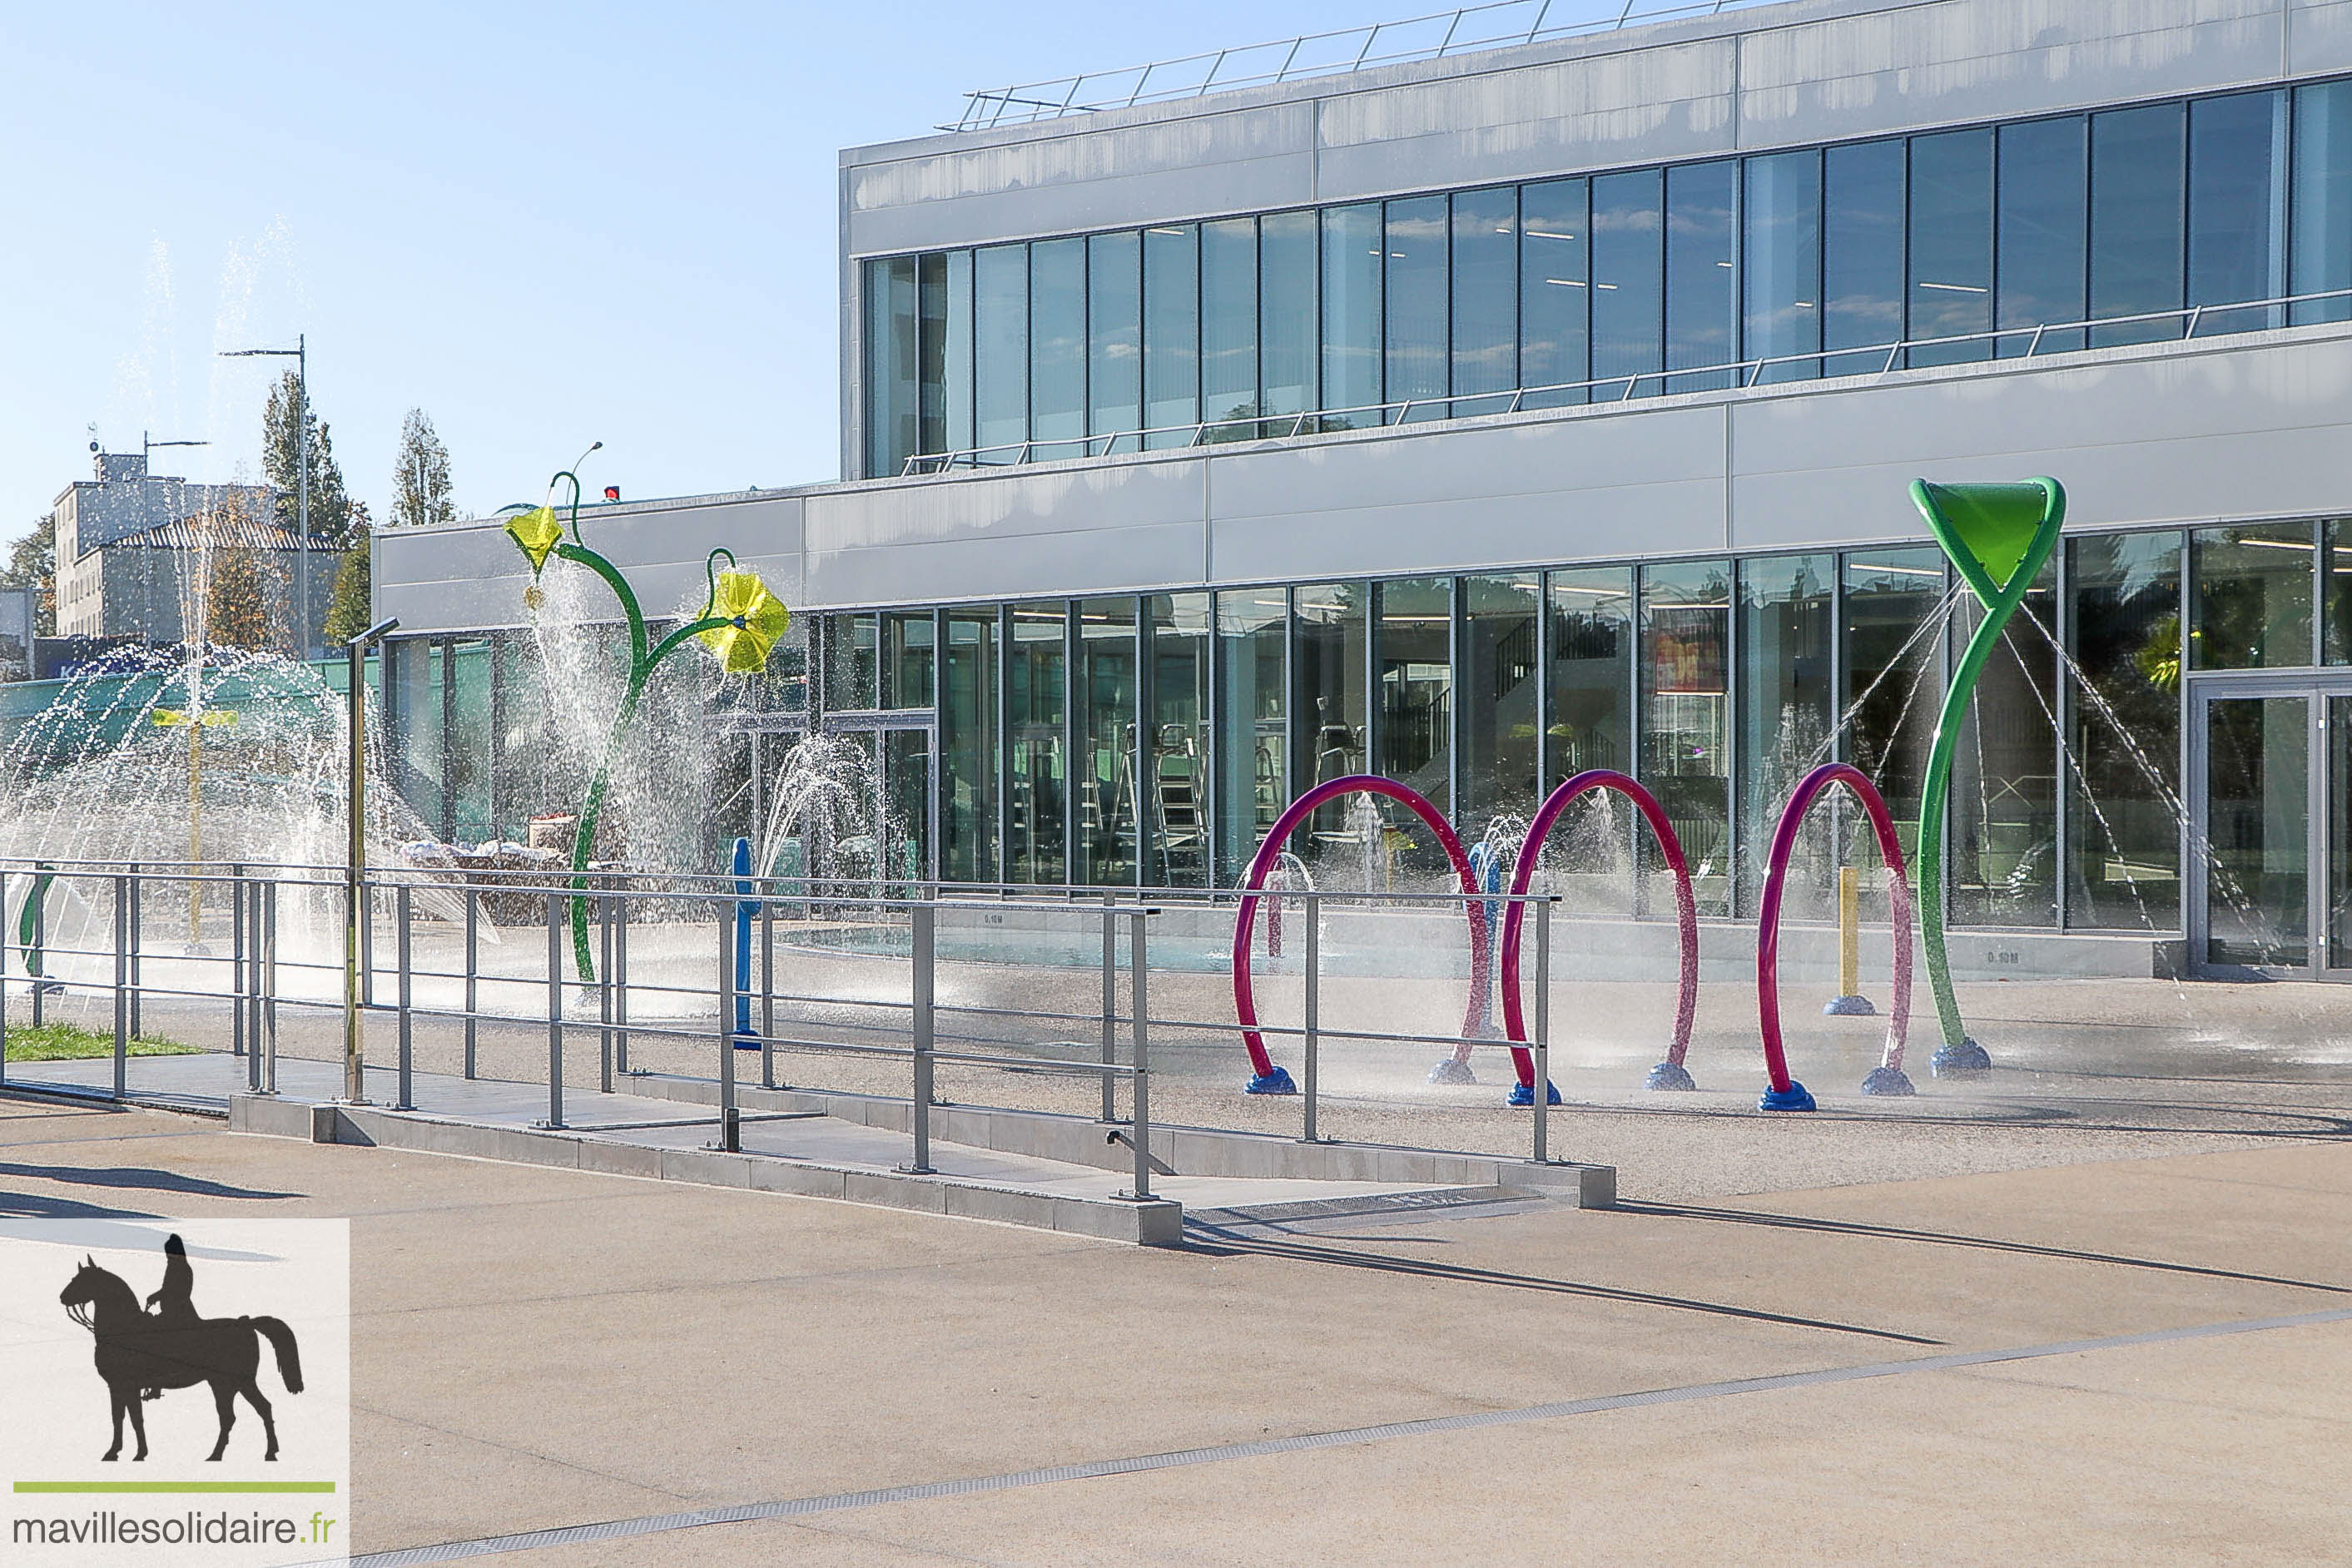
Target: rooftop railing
(1500,23)
(1997,346)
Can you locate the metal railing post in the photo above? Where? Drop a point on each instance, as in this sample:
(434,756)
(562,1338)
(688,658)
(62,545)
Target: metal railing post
(1314,1027)
(473,973)
(405,1099)
(265,1017)
(1139,971)
(36,966)
(925,946)
(131,929)
(554,1010)
(621,990)
(604,989)
(365,912)
(730,1119)
(1110,1005)
(236,1043)
(121,986)
(1543,1033)
(767,990)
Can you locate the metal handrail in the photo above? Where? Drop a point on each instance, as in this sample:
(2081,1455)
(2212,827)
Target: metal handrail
(1624,388)
(1128,86)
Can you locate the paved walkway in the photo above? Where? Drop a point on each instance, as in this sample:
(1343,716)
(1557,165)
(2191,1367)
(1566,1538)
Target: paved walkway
(2140,1361)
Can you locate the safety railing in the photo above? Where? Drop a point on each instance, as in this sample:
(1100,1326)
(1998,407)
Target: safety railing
(1991,347)
(111,954)
(1501,24)
(684,965)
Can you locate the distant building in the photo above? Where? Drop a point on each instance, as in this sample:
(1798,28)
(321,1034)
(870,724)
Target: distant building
(17,608)
(132,549)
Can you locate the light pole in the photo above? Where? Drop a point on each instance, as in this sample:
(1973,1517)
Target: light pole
(148,443)
(355,866)
(301,354)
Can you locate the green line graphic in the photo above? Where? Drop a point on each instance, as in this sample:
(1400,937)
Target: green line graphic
(153,1488)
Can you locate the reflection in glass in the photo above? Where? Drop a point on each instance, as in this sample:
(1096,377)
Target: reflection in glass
(1786,619)
(1783,272)
(2124,771)
(2323,199)
(1105,782)
(1287,263)
(968,748)
(1000,349)
(1702,277)
(1351,315)
(1592,693)
(1329,672)
(850,668)
(2254,596)
(2044,173)
(1253,777)
(892,432)
(1629,261)
(1485,323)
(1416,680)
(1416,303)
(2237,208)
(1499,680)
(2004,794)
(955,355)
(1057,348)
(2339,833)
(1114,338)
(1893,680)
(1178,748)
(2335,594)
(1952,244)
(906,796)
(2257,827)
(1229,329)
(1035,807)
(1686,716)
(2137,194)
(1861,253)
(1555,292)
(906,659)
(1172,334)
(931,354)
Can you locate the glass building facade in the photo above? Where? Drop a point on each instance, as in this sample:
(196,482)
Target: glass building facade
(1789,265)
(1151,739)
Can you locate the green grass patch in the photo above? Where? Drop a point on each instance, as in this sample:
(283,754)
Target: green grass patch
(71,1043)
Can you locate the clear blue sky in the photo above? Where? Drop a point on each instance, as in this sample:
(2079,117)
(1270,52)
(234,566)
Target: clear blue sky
(544,225)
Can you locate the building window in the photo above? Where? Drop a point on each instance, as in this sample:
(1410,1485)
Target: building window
(1287,264)
(1114,340)
(1253,777)
(1417,301)
(2253,600)
(2323,199)
(1781,275)
(1686,713)
(1951,245)
(2043,228)
(1484,307)
(2124,744)
(1105,789)
(1172,334)
(1628,280)
(1555,292)
(1000,350)
(1036,719)
(1057,348)
(1229,329)
(1787,617)
(1351,316)
(1701,274)
(892,362)
(2137,190)
(1862,265)
(2237,209)
(1178,746)
(1498,660)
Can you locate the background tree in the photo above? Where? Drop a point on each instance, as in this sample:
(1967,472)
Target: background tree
(420,477)
(349,608)
(33,563)
(238,613)
(282,446)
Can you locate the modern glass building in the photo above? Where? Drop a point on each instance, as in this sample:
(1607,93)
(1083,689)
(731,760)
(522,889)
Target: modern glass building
(1480,419)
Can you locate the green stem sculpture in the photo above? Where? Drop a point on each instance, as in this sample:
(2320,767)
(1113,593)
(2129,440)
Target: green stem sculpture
(741,621)
(1998,536)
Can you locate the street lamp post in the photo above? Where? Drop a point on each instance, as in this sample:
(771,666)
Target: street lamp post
(301,354)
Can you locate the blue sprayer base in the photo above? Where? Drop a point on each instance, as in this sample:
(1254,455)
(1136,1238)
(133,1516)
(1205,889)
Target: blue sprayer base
(1848,1007)
(1966,1059)
(1669,1076)
(1888,1081)
(1452,1071)
(1523,1095)
(1794,1098)
(1278,1081)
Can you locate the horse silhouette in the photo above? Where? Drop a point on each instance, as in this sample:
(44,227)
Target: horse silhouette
(174,1348)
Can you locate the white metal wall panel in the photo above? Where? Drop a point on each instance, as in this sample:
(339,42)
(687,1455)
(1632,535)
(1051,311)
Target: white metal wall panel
(2318,36)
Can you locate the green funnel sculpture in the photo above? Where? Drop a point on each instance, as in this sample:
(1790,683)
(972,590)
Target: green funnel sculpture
(1999,536)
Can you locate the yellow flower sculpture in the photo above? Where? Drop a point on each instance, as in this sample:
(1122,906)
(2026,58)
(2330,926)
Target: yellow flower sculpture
(539,532)
(755,618)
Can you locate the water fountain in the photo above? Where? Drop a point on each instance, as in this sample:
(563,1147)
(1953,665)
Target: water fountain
(828,823)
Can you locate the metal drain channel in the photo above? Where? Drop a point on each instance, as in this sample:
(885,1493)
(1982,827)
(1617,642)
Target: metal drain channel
(655,1524)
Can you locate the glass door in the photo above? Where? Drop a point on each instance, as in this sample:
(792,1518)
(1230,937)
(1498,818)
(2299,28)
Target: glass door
(2272,890)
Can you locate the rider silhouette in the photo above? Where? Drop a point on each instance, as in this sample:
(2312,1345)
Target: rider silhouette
(173,1306)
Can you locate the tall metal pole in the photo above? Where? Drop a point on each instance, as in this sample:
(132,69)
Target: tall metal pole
(302,495)
(355,862)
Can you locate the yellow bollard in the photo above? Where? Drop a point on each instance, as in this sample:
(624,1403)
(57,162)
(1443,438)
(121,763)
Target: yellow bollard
(1849,1003)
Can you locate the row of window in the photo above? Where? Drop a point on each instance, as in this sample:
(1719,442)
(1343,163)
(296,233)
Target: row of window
(1607,286)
